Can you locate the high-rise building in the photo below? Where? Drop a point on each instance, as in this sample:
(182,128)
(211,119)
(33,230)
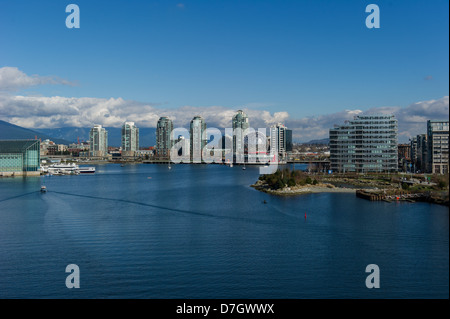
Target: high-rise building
(289,144)
(198,140)
(368,143)
(98,141)
(239,124)
(422,153)
(413,155)
(130,139)
(183,149)
(437,135)
(256,146)
(280,140)
(164,142)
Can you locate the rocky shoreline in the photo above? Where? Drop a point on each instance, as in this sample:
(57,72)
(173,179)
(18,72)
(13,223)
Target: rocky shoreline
(298,190)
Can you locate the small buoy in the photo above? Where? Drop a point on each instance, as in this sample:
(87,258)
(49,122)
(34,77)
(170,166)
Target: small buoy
(305,215)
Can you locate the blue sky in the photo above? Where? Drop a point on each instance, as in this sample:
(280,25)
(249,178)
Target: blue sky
(306,58)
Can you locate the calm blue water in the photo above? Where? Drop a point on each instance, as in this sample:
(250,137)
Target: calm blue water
(200,231)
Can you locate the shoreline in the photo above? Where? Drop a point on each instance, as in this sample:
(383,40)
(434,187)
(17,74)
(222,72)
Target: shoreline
(330,188)
(300,190)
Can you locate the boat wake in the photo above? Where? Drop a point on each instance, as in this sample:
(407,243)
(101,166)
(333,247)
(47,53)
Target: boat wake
(174,210)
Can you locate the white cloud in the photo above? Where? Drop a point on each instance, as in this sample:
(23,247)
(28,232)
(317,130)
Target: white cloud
(412,120)
(57,111)
(12,79)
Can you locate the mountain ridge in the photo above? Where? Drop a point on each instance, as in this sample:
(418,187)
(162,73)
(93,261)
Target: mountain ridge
(10,131)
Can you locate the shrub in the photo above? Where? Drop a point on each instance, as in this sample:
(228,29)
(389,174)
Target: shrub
(442,184)
(279,184)
(291,182)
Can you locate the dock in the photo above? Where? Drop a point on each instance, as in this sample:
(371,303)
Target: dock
(381,196)
(400,195)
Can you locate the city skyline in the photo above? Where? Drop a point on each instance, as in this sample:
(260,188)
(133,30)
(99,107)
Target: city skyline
(306,65)
(224,156)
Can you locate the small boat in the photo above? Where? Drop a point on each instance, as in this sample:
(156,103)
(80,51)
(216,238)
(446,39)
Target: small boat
(43,189)
(86,170)
(122,165)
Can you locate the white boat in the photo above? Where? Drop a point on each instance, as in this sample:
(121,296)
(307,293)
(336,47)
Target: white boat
(68,169)
(57,169)
(43,189)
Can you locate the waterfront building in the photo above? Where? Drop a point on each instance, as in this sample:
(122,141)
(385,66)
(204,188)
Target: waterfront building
(239,125)
(280,140)
(437,136)
(227,144)
(145,154)
(256,147)
(184,148)
(130,139)
(198,138)
(164,143)
(98,141)
(368,143)
(19,157)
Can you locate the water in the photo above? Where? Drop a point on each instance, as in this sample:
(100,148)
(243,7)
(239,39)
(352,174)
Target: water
(200,231)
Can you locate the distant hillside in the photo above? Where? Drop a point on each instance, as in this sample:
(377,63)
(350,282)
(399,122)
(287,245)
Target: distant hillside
(10,131)
(322,141)
(147,136)
(67,133)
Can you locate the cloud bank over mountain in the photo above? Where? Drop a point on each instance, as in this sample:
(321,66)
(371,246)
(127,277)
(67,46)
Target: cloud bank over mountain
(57,111)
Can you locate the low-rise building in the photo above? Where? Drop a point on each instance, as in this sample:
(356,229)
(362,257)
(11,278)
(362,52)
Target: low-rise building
(19,158)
